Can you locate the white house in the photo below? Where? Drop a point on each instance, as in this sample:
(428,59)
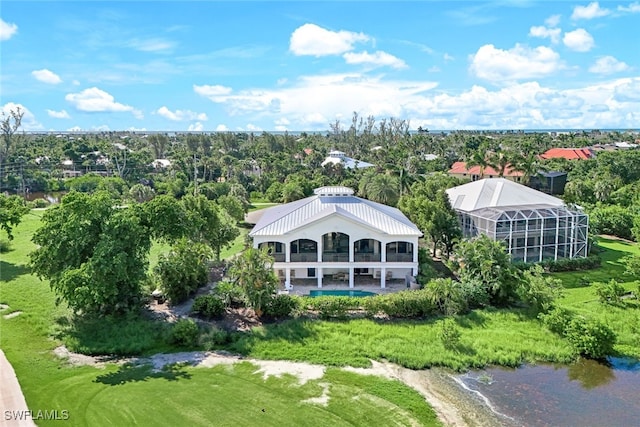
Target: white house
(336,157)
(534,226)
(336,235)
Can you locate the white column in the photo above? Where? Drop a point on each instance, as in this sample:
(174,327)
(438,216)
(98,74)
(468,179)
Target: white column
(383,250)
(287,252)
(287,277)
(319,246)
(351,250)
(351,277)
(415,251)
(319,274)
(383,277)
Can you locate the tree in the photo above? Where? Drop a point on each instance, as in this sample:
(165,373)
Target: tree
(383,189)
(253,272)
(95,254)
(210,224)
(434,216)
(141,193)
(9,125)
(12,208)
(485,262)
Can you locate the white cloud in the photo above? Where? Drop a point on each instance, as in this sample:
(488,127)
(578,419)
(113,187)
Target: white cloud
(310,39)
(253,128)
(58,114)
(135,129)
(579,40)
(96,100)
(196,127)
(152,45)
(180,115)
(334,96)
(434,69)
(544,32)
(28,122)
(211,91)
(222,128)
(74,129)
(377,58)
(7,30)
(552,21)
(46,76)
(520,62)
(632,8)
(608,65)
(592,10)
(447,57)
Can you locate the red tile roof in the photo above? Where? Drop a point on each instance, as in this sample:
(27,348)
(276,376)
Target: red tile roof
(461,168)
(568,153)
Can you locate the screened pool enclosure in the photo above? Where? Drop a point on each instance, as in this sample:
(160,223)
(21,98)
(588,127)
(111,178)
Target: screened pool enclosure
(538,228)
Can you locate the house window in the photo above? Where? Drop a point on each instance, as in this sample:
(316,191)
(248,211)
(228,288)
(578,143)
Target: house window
(311,272)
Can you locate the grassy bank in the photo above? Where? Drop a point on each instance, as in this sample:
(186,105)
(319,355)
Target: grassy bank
(116,395)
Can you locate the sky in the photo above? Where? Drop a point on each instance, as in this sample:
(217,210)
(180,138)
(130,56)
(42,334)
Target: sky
(303,65)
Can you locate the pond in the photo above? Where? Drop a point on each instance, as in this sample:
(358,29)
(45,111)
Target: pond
(53,197)
(586,393)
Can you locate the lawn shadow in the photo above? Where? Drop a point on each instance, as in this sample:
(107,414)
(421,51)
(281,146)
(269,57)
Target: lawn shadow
(9,271)
(471,320)
(129,372)
(293,330)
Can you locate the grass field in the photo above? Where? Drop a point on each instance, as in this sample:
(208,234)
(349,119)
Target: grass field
(221,396)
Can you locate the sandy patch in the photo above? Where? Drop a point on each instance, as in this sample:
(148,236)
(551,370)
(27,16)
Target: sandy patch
(3,307)
(303,371)
(323,399)
(12,315)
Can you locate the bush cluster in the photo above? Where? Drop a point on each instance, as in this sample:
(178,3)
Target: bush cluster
(404,304)
(331,306)
(230,293)
(184,333)
(610,292)
(208,306)
(589,337)
(572,264)
(280,306)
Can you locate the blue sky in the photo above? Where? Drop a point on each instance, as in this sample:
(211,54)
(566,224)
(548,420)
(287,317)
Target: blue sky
(301,65)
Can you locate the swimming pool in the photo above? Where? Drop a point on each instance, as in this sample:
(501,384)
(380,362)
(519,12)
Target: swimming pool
(341,293)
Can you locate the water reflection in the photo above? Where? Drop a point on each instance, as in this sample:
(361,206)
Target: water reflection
(590,374)
(586,393)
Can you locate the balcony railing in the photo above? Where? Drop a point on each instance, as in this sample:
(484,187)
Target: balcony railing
(371,257)
(304,257)
(399,257)
(278,257)
(335,257)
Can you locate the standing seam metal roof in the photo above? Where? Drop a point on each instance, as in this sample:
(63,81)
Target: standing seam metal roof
(284,219)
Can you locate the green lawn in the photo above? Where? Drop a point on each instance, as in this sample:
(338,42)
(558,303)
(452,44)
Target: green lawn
(581,298)
(221,396)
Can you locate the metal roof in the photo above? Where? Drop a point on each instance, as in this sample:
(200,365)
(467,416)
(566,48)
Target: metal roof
(287,218)
(499,193)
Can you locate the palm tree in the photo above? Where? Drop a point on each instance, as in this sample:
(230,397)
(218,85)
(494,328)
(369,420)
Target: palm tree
(478,158)
(384,189)
(500,161)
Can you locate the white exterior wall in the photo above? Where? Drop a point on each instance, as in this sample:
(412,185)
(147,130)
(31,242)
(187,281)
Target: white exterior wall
(356,231)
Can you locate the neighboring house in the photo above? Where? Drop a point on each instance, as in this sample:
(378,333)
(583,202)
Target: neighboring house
(460,170)
(336,157)
(161,163)
(568,153)
(551,182)
(533,226)
(336,235)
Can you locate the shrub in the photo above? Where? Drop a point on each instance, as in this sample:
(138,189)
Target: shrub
(614,220)
(230,293)
(447,296)
(332,306)
(184,333)
(591,338)
(404,304)
(38,203)
(213,337)
(557,320)
(610,292)
(280,306)
(208,306)
(450,334)
(539,291)
(572,264)
(183,270)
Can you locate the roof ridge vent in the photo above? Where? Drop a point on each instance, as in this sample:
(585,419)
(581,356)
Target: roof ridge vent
(333,191)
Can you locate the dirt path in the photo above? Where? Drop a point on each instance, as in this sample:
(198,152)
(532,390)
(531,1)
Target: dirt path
(453,405)
(12,402)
